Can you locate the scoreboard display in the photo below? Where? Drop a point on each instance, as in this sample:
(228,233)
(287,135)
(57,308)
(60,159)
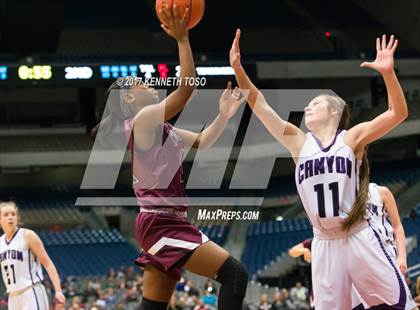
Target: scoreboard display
(45,73)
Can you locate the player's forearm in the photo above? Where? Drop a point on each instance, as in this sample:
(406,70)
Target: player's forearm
(400,242)
(296,252)
(177,100)
(396,99)
(53,274)
(187,66)
(210,135)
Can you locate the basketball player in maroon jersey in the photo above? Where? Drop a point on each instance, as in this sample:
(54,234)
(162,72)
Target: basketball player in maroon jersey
(168,240)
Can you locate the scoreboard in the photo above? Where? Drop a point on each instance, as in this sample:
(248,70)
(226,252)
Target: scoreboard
(44,73)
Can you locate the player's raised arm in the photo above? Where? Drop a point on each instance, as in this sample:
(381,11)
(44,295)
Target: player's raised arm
(37,247)
(152,115)
(364,133)
(391,207)
(229,103)
(176,27)
(286,133)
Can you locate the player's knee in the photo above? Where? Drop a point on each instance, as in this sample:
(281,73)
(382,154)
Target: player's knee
(233,275)
(147,304)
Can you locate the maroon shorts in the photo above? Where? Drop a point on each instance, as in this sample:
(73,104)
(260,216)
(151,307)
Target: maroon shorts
(167,241)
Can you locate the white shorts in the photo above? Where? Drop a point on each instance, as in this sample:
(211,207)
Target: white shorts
(360,261)
(34,298)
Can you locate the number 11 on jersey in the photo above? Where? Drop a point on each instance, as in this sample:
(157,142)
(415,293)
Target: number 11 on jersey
(319,189)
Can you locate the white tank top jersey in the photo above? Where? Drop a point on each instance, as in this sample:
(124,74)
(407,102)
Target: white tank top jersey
(379,215)
(19,266)
(327,180)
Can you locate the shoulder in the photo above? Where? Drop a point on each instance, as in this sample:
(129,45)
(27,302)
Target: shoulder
(384,192)
(29,235)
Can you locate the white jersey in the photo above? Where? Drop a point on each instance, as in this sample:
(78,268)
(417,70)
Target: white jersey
(19,266)
(379,215)
(327,180)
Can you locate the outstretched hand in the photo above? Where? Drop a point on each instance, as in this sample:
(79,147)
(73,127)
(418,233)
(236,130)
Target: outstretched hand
(235,51)
(230,101)
(173,24)
(384,62)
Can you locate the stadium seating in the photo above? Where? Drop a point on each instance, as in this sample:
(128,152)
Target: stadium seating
(88,252)
(267,240)
(49,143)
(92,252)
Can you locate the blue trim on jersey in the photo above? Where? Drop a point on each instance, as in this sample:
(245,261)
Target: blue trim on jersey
(8,242)
(30,273)
(36,272)
(403,296)
(36,298)
(327,148)
(29,265)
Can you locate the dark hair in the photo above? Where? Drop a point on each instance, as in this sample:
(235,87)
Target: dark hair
(358,211)
(109,122)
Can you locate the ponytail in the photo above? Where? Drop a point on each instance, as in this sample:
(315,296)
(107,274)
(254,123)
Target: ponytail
(358,211)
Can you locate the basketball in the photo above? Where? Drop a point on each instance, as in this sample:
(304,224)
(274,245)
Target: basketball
(195,14)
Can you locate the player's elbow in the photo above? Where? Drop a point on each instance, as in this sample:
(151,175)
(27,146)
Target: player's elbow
(398,116)
(402,113)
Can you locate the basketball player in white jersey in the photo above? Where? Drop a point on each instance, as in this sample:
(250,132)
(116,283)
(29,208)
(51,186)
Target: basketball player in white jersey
(385,217)
(332,181)
(21,256)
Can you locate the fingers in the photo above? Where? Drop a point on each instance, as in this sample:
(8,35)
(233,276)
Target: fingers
(238,33)
(229,85)
(236,93)
(237,38)
(378,45)
(175,11)
(394,47)
(391,42)
(366,65)
(165,28)
(185,17)
(383,42)
(227,90)
(163,16)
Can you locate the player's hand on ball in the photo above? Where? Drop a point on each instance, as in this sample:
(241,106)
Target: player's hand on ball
(174,24)
(235,51)
(402,264)
(60,299)
(230,101)
(384,62)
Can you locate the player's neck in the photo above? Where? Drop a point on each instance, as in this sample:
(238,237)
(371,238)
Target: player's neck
(10,233)
(325,134)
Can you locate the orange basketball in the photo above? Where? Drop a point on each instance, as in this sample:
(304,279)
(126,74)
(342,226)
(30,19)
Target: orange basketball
(196,9)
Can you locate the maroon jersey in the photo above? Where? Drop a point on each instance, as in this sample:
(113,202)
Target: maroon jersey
(157,173)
